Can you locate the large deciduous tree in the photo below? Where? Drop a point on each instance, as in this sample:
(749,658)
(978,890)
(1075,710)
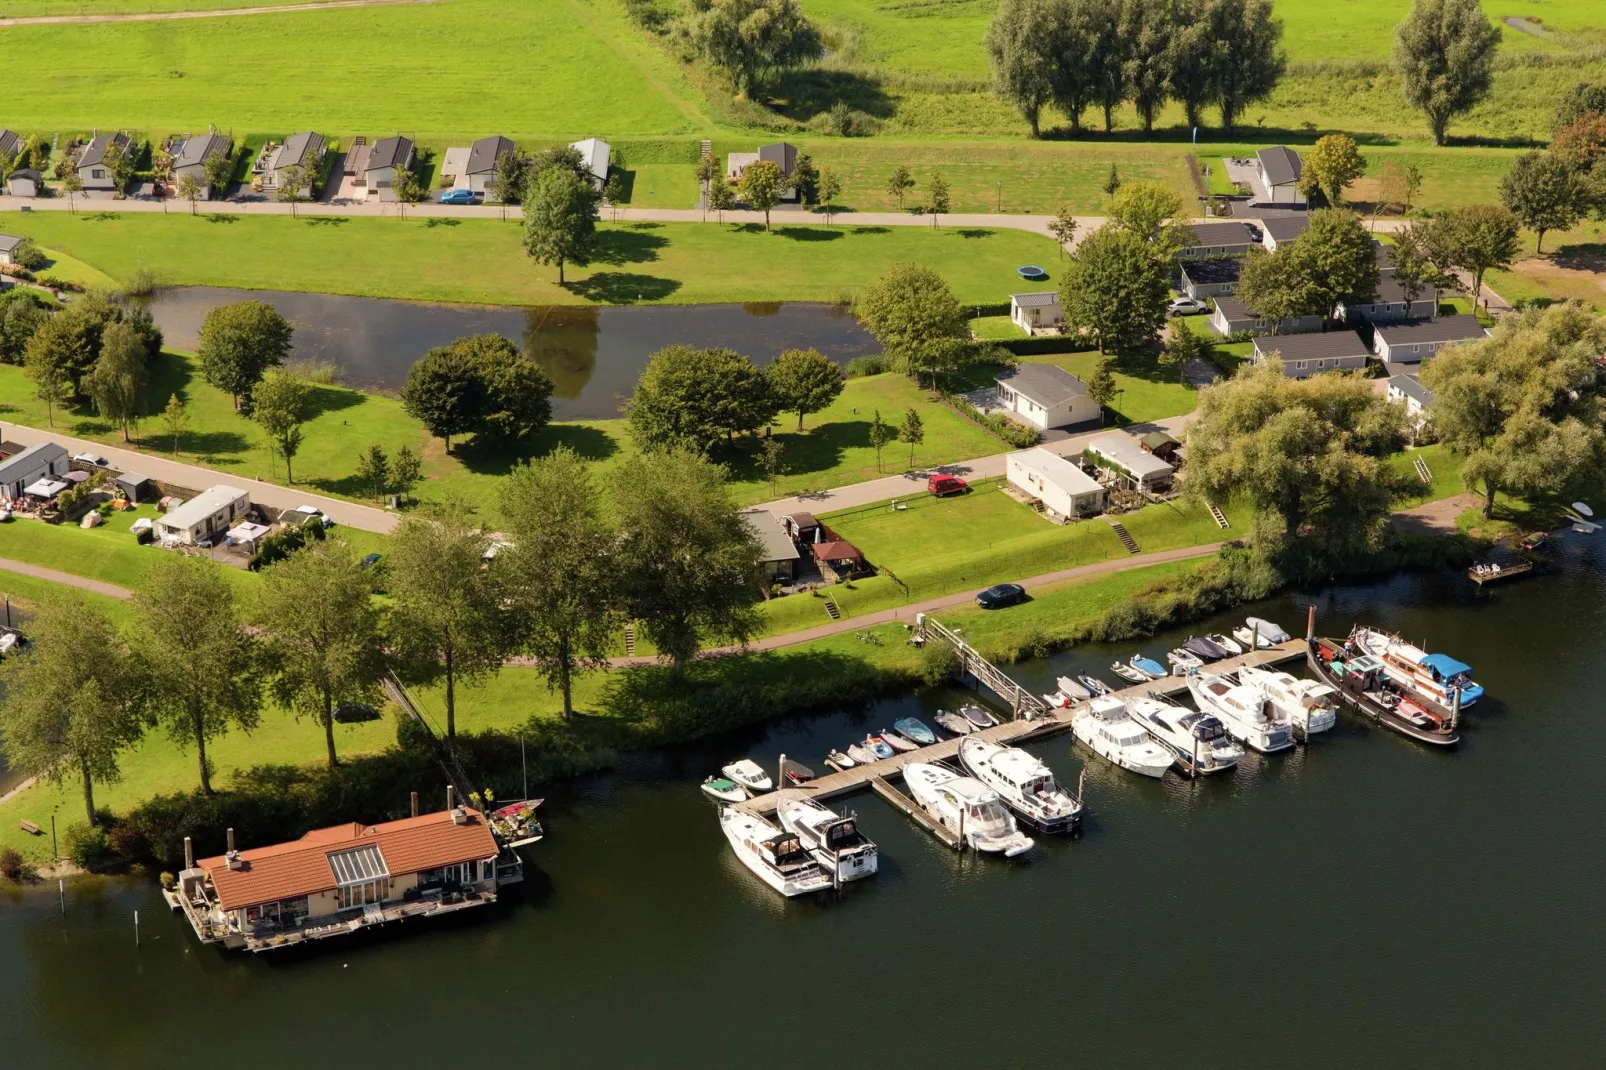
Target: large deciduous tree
(1334,261)
(1189,58)
(1152,211)
(690,398)
(917,319)
(748,39)
(1331,166)
(760,187)
(1523,409)
(446,393)
(74,701)
(803,381)
(1309,454)
(1544,192)
(205,676)
(686,558)
(1247,60)
(517,390)
(1117,288)
(1444,51)
(560,219)
(116,383)
(1020,42)
(1147,28)
(280,404)
(322,645)
(20,316)
(239,343)
(1474,238)
(561,568)
(449,621)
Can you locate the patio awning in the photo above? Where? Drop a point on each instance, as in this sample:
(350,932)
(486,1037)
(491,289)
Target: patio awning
(46,488)
(75,477)
(247,532)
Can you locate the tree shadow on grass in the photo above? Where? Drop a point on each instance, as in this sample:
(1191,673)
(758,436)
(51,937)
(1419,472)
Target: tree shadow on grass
(816,449)
(491,457)
(809,234)
(220,217)
(1582,256)
(322,399)
(211,444)
(327,221)
(809,91)
(436,221)
(102,217)
(858,231)
(975,232)
(622,287)
(630,245)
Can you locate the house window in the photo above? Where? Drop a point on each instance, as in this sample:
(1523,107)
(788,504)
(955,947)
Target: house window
(487,870)
(98,173)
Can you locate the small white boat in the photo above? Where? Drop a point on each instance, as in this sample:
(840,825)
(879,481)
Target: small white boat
(878,747)
(1310,705)
(750,775)
(860,755)
(1182,661)
(1199,741)
(1073,689)
(724,790)
(1225,642)
(1094,684)
(1248,714)
(978,717)
(837,760)
(967,808)
(1151,669)
(897,742)
(953,722)
(1259,633)
(1583,509)
(778,858)
(1127,672)
(1024,783)
(833,840)
(1105,725)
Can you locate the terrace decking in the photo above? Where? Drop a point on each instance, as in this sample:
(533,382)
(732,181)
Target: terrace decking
(1010,733)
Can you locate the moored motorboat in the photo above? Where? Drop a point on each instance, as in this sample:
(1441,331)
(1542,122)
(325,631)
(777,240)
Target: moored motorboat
(1148,667)
(777,857)
(878,747)
(1310,705)
(1182,661)
(724,790)
(1363,682)
(1198,741)
(1074,690)
(978,717)
(1247,713)
(953,722)
(1094,684)
(897,742)
(795,773)
(750,775)
(1023,783)
(1105,725)
(914,730)
(1439,678)
(967,808)
(1205,648)
(840,761)
(834,840)
(1258,633)
(1225,642)
(860,754)
(1127,672)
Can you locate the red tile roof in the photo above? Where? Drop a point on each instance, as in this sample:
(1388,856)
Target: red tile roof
(301,867)
(836,551)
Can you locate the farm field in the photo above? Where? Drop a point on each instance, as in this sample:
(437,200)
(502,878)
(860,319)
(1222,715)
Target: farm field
(17,9)
(482,261)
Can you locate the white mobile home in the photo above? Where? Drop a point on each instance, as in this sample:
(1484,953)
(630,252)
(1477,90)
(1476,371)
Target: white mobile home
(204,517)
(1033,312)
(1279,168)
(1311,354)
(1045,396)
(1064,490)
(1120,456)
(1412,343)
(42,460)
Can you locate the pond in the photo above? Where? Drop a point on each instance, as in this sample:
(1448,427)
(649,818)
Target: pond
(594,355)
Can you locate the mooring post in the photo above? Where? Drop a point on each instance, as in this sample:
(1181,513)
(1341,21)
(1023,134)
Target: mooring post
(1455,707)
(960,846)
(780,776)
(136,928)
(61,890)
(1310,625)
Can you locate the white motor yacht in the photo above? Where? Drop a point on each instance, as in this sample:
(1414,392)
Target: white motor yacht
(1225,642)
(966,807)
(834,840)
(1248,714)
(1199,741)
(750,775)
(1024,783)
(777,857)
(1310,705)
(1105,725)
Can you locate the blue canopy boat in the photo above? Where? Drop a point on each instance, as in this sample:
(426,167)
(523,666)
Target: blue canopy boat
(1149,667)
(914,730)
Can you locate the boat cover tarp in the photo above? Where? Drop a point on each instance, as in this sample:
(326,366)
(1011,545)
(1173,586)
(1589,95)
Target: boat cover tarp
(1148,665)
(1268,630)
(1205,648)
(1445,666)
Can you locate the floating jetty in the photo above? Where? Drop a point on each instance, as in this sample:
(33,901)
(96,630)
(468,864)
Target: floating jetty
(1490,574)
(1009,734)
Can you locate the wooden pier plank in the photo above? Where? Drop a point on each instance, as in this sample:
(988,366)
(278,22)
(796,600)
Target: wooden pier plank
(1010,733)
(903,802)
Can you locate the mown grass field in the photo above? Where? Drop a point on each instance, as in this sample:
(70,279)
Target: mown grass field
(481,261)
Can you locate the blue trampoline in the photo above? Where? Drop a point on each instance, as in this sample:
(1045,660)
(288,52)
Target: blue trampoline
(1031,271)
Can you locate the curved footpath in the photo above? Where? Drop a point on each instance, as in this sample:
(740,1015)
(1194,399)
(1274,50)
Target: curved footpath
(66,579)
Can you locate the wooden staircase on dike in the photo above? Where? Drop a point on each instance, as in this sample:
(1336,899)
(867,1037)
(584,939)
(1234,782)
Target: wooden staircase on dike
(1218,516)
(832,610)
(1422,469)
(707,149)
(1125,536)
(630,640)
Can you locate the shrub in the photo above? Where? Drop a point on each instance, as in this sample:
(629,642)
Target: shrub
(939,663)
(88,846)
(29,256)
(844,121)
(1017,435)
(859,367)
(167,880)
(410,735)
(14,867)
(126,841)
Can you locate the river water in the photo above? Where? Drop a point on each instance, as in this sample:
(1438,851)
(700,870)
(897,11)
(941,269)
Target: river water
(1362,899)
(594,355)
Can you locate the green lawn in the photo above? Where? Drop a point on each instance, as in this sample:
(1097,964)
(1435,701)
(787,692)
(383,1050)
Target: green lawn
(1144,389)
(1442,466)
(481,261)
(995,328)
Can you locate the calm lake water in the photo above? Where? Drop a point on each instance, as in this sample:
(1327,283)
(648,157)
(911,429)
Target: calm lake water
(1361,900)
(594,355)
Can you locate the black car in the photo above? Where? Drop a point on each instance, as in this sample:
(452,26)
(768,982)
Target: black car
(368,562)
(1005,594)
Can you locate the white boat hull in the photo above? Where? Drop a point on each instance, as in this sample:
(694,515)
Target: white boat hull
(748,850)
(1265,740)
(1082,728)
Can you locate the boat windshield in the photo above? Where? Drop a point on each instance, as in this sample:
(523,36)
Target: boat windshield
(844,834)
(786,850)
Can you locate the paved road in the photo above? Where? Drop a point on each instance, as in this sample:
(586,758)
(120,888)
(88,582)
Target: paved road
(163,16)
(110,590)
(364,517)
(908,483)
(947,601)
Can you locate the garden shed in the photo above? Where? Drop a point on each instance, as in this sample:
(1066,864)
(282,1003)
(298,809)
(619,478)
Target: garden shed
(137,488)
(839,560)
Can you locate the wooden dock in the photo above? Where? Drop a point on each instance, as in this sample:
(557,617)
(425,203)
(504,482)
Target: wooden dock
(903,802)
(1507,572)
(1008,734)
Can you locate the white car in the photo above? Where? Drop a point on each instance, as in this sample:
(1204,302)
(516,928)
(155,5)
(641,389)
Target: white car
(94,460)
(1185,306)
(309,511)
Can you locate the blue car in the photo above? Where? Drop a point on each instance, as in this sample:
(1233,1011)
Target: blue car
(458,196)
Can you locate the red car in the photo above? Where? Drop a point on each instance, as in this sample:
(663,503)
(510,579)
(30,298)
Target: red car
(943,485)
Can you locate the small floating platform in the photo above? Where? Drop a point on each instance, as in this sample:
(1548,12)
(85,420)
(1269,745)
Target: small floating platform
(1482,574)
(903,802)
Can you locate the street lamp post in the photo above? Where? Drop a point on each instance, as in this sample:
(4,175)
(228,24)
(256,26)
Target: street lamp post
(1000,196)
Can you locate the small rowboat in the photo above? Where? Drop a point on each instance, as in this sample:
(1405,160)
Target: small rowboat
(1094,684)
(724,790)
(1225,642)
(878,747)
(796,772)
(860,755)
(839,760)
(1127,672)
(915,730)
(953,722)
(1072,690)
(897,742)
(1183,660)
(978,717)
(1151,669)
